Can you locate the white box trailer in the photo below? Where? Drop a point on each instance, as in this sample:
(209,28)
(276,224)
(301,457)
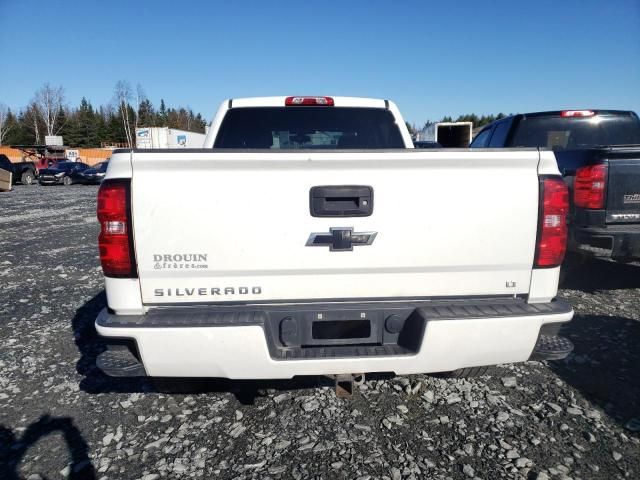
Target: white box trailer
(165,137)
(55,140)
(449,134)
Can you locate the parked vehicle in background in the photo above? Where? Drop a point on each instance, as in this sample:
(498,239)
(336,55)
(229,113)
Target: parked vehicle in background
(420,144)
(448,134)
(165,137)
(23,172)
(318,260)
(44,155)
(95,174)
(598,154)
(62,173)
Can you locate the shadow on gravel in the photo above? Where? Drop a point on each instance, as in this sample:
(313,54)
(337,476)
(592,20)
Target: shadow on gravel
(13,449)
(593,274)
(604,364)
(91,345)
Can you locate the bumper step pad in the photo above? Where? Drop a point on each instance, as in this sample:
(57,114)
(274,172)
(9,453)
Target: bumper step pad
(552,347)
(119,361)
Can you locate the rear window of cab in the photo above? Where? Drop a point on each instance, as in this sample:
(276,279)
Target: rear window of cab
(314,127)
(566,133)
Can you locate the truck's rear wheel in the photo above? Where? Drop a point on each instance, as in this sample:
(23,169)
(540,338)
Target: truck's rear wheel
(467,372)
(27,178)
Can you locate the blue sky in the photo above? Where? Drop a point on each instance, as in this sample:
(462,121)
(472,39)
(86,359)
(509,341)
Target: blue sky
(431,58)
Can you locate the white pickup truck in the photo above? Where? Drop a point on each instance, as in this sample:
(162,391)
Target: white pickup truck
(308,237)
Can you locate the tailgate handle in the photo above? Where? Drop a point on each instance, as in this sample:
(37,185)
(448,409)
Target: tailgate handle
(341,201)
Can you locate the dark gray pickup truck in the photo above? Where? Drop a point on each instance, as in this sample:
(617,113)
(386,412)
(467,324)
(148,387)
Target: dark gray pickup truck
(24,172)
(598,154)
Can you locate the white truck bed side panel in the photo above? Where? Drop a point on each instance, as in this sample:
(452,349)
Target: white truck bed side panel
(544,281)
(123,295)
(119,166)
(548,164)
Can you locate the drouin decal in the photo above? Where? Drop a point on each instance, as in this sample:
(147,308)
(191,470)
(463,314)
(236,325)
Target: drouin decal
(180,261)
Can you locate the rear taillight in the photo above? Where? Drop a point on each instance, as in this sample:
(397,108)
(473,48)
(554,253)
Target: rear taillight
(115,240)
(590,185)
(309,101)
(552,229)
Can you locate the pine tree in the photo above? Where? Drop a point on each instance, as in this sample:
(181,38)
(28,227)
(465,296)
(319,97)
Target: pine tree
(198,124)
(162,114)
(61,121)
(18,133)
(88,122)
(146,114)
(115,129)
(102,130)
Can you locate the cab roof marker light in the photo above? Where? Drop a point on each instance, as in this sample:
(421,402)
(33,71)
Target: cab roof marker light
(308,101)
(577,113)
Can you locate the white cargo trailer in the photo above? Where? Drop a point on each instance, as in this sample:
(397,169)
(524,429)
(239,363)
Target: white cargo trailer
(165,137)
(448,134)
(55,140)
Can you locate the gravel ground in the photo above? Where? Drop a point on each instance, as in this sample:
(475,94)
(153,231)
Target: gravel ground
(60,417)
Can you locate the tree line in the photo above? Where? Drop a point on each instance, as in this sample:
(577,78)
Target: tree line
(478,121)
(84,125)
(87,126)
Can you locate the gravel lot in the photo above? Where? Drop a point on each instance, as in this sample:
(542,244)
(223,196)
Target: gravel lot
(60,417)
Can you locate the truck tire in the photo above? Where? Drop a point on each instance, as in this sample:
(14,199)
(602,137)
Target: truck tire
(66,181)
(467,372)
(27,177)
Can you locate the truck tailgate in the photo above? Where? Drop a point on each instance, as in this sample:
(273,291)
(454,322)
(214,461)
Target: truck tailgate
(623,185)
(229,226)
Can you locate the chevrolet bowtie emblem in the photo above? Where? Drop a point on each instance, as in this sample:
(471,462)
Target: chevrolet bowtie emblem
(341,239)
